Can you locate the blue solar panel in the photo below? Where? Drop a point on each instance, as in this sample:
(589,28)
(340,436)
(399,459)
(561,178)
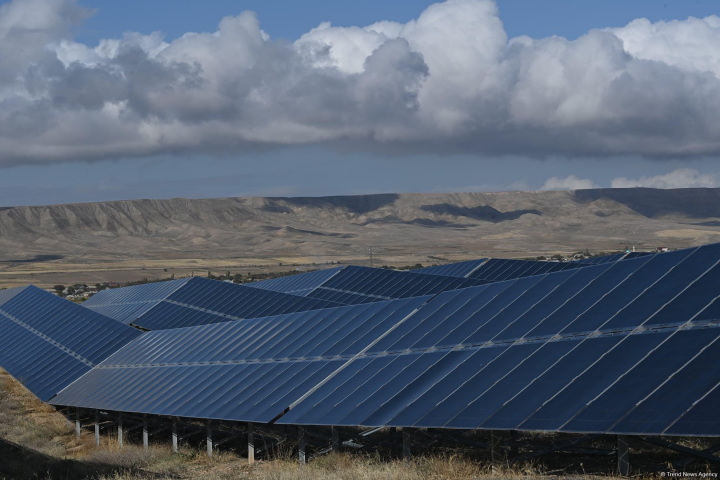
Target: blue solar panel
(701,419)
(666,288)
(460,269)
(345,298)
(126,313)
(539,351)
(149,292)
(639,381)
(196,301)
(269,361)
(519,407)
(487,397)
(637,255)
(47,342)
(655,413)
(8,294)
(299,282)
(618,298)
(497,315)
(496,270)
(390,284)
(556,411)
(599,287)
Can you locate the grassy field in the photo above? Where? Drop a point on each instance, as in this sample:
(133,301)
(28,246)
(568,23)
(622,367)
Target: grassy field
(48,273)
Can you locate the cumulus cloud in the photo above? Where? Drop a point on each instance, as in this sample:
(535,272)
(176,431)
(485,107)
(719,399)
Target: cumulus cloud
(680,178)
(448,81)
(571,182)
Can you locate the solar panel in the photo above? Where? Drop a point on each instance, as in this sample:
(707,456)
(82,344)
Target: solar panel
(593,349)
(637,255)
(345,298)
(265,362)
(8,294)
(47,342)
(126,313)
(390,284)
(196,301)
(668,358)
(460,269)
(149,292)
(470,397)
(296,283)
(495,270)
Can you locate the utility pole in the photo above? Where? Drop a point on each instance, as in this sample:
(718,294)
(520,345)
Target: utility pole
(370,249)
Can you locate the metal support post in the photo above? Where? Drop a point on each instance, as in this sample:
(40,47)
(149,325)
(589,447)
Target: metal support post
(67,417)
(174,435)
(301,445)
(514,438)
(77,422)
(120,431)
(335,440)
(495,450)
(623,456)
(251,444)
(146,436)
(97,429)
(407,444)
(209,439)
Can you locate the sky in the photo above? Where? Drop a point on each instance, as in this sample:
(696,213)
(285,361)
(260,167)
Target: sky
(106,100)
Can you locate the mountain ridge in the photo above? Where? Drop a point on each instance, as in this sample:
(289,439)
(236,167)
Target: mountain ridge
(523,221)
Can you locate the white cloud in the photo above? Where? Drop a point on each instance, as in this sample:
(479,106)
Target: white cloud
(680,178)
(571,182)
(449,81)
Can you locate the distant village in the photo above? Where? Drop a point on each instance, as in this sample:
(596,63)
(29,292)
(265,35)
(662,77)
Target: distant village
(80,292)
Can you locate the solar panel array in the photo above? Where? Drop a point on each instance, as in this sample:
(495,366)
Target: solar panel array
(198,301)
(630,255)
(195,301)
(46,342)
(497,269)
(354,285)
(303,282)
(248,370)
(621,347)
(460,269)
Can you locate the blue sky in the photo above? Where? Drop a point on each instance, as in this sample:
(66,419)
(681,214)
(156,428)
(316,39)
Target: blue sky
(289,19)
(323,168)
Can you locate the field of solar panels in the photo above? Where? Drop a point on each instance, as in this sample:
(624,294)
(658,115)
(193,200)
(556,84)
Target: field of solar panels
(606,366)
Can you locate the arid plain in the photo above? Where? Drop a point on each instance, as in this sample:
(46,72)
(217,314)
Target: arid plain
(129,240)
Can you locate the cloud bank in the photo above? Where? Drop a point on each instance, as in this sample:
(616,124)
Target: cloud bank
(448,82)
(680,178)
(571,182)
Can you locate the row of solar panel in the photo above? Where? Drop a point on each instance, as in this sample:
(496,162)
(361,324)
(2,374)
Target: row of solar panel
(160,372)
(196,301)
(456,360)
(299,282)
(460,269)
(471,268)
(208,301)
(496,269)
(46,342)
